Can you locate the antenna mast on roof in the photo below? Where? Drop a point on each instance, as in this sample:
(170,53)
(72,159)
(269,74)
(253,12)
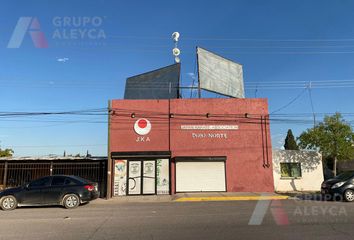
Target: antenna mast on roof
(175,51)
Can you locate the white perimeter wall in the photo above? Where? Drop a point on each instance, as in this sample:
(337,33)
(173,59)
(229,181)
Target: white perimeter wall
(311,171)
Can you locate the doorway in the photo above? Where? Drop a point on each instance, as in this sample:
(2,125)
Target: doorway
(141,177)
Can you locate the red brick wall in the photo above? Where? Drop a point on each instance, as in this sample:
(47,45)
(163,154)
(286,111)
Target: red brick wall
(244,148)
(122,134)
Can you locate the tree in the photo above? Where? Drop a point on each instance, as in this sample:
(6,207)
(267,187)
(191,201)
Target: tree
(6,152)
(290,143)
(333,137)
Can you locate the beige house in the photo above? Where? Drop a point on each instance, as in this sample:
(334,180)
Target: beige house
(297,170)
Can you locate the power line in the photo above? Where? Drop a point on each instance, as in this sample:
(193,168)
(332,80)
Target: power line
(128,111)
(259,85)
(187,51)
(289,103)
(291,118)
(55,146)
(195,38)
(95,112)
(160,48)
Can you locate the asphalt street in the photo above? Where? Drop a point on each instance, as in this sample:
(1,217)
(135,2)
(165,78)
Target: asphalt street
(101,219)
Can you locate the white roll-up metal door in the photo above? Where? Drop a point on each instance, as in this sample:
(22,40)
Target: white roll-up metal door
(200,176)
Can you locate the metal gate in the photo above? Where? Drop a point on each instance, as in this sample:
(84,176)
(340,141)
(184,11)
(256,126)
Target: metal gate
(13,174)
(94,171)
(18,174)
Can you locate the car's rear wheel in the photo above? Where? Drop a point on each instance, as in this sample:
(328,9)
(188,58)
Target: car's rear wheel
(8,203)
(327,197)
(349,195)
(71,201)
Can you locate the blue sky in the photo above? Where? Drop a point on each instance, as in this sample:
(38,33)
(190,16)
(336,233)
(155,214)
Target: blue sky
(276,41)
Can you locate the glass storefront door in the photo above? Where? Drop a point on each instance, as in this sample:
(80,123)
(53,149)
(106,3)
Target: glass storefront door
(149,177)
(134,180)
(142,177)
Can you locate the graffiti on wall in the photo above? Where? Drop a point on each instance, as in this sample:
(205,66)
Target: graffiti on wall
(120,177)
(162,174)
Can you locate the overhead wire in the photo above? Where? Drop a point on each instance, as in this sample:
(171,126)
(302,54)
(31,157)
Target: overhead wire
(290,102)
(264,85)
(195,38)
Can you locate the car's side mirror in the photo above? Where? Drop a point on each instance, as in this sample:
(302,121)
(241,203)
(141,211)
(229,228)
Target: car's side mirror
(27,186)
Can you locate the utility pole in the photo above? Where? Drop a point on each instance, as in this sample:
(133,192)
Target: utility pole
(313,111)
(199,89)
(109,159)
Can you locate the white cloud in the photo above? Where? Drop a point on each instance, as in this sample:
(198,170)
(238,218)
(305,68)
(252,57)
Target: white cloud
(62,59)
(192,75)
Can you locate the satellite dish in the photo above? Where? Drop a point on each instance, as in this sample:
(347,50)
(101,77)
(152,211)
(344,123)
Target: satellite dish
(175,36)
(177,59)
(176,52)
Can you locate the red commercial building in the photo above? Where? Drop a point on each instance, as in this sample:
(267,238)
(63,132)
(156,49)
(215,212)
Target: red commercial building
(189,145)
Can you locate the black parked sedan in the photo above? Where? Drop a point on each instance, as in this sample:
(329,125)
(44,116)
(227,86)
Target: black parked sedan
(341,186)
(68,191)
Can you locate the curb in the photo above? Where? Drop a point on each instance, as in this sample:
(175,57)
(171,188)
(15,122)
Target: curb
(235,198)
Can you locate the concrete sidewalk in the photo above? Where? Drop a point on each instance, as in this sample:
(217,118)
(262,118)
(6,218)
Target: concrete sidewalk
(137,199)
(199,197)
(227,196)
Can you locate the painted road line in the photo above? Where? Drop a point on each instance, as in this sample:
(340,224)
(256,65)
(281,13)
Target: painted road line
(234,198)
